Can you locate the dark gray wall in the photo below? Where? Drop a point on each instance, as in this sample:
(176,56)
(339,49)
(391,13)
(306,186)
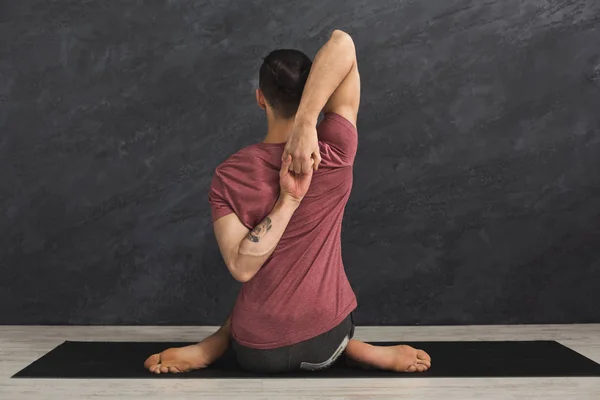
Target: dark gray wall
(477,182)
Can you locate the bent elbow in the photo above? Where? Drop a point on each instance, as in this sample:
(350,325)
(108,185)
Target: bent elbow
(343,37)
(240,276)
(345,40)
(243,278)
(338,33)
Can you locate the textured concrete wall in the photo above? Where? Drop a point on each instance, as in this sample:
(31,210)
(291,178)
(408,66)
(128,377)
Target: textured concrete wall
(477,181)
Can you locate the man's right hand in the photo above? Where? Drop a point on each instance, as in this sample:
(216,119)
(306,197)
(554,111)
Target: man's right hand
(303,146)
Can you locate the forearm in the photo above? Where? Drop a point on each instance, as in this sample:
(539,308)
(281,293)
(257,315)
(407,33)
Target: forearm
(260,243)
(331,65)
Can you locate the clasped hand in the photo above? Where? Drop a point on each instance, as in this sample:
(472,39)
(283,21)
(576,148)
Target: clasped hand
(299,159)
(303,146)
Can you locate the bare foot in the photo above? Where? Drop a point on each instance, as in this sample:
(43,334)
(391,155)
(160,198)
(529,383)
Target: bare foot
(178,360)
(400,358)
(409,359)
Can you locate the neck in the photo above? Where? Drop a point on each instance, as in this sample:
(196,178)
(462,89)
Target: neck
(278,130)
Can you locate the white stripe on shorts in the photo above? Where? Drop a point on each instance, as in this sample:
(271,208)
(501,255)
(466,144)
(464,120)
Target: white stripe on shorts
(327,363)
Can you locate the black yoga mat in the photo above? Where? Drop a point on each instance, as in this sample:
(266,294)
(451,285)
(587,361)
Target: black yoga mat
(449,359)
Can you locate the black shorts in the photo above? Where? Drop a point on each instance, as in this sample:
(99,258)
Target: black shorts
(313,354)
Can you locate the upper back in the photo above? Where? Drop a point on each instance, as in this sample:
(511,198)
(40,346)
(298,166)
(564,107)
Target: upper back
(249,180)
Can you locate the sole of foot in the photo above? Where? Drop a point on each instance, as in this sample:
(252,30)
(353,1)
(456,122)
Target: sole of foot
(177,360)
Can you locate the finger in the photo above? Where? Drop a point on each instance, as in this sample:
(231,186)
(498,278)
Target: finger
(298,165)
(317,159)
(307,165)
(303,163)
(310,167)
(285,165)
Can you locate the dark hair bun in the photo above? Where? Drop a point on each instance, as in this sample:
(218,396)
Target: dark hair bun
(284,81)
(283,75)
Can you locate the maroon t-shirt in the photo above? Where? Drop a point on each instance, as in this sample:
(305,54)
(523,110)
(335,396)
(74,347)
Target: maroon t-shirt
(302,290)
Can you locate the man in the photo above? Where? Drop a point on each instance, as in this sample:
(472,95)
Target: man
(277,208)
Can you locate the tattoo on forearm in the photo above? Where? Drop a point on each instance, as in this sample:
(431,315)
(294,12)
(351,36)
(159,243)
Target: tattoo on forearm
(259,231)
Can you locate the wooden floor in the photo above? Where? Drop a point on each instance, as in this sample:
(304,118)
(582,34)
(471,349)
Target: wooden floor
(19,346)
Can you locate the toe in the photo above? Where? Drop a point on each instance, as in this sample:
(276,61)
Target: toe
(426,363)
(412,368)
(151,361)
(164,369)
(157,369)
(174,370)
(422,355)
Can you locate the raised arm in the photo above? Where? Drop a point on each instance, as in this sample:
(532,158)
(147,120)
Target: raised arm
(333,85)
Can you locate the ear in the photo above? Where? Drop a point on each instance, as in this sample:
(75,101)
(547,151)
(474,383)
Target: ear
(260,99)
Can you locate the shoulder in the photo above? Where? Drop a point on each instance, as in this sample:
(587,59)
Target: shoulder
(238,160)
(237,167)
(339,119)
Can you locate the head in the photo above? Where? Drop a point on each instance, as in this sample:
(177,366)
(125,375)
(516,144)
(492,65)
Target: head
(282,77)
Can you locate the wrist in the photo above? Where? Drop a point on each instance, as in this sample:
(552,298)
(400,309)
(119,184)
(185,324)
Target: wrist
(306,119)
(288,202)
